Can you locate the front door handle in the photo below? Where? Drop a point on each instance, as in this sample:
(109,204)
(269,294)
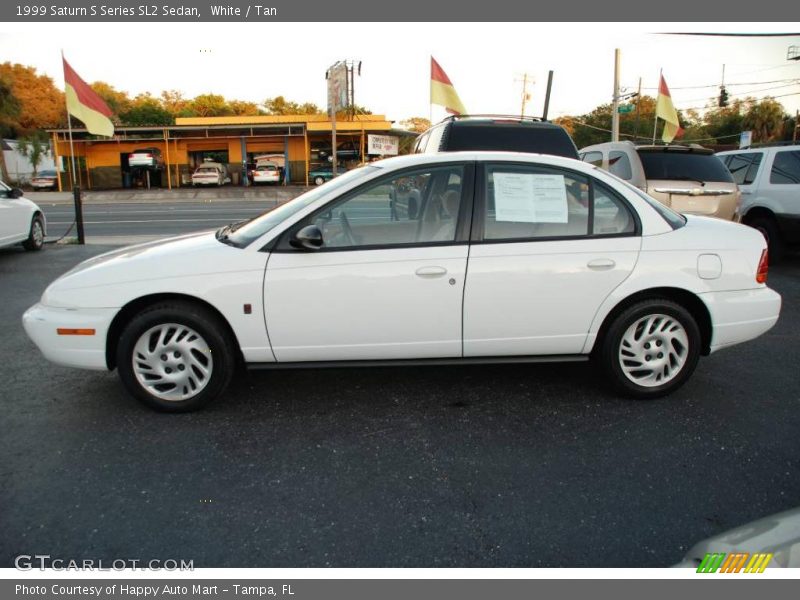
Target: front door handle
(601,264)
(431,271)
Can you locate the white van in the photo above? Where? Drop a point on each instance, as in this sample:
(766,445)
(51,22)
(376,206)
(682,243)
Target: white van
(769,179)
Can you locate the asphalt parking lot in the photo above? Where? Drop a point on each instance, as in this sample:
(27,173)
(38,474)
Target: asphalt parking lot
(494,466)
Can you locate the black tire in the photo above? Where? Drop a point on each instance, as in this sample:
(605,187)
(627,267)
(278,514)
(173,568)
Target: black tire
(199,320)
(35,239)
(319,180)
(769,229)
(610,355)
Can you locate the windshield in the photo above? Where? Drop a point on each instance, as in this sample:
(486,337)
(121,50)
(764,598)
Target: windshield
(47,173)
(254,229)
(684,166)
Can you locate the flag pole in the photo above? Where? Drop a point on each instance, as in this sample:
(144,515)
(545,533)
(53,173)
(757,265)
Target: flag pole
(76,190)
(430,95)
(655,124)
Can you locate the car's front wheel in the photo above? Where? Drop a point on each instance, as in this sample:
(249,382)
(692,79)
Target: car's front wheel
(319,180)
(175,356)
(35,239)
(651,349)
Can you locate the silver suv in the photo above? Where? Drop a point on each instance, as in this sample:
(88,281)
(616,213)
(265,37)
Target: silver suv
(769,179)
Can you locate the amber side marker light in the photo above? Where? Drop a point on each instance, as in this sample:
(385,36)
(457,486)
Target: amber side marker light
(763,267)
(66,331)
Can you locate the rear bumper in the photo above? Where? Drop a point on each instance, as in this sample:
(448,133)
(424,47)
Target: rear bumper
(741,315)
(82,351)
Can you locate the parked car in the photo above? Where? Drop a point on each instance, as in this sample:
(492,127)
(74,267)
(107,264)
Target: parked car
(771,541)
(490,132)
(546,259)
(210,173)
(769,179)
(689,179)
(323,174)
(20,220)
(267,173)
(149,158)
(45,180)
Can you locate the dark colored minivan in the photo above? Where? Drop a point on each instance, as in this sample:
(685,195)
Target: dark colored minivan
(492,132)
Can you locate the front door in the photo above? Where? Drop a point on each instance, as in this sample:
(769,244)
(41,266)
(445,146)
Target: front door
(388,281)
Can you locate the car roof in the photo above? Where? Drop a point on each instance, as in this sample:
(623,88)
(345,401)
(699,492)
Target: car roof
(412,160)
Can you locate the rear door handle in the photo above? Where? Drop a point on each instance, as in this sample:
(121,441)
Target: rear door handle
(601,264)
(431,271)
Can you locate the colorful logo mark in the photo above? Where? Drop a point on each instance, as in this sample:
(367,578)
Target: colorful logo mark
(720,562)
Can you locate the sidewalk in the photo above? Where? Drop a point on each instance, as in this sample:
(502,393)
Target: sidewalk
(278,194)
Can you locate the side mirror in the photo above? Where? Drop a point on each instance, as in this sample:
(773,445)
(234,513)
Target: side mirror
(16,193)
(308,238)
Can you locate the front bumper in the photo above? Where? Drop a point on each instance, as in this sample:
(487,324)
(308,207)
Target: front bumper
(741,315)
(82,351)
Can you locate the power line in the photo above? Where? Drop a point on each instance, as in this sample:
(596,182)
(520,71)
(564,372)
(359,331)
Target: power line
(777,87)
(640,137)
(716,85)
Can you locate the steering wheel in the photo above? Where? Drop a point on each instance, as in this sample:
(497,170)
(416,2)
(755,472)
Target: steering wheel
(346,229)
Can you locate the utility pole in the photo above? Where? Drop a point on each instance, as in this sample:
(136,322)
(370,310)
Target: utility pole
(615,101)
(796,125)
(525,95)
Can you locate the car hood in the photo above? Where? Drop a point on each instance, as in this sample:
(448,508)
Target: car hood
(186,255)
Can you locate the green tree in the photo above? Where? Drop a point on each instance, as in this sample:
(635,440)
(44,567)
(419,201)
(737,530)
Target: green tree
(209,105)
(146,110)
(416,124)
(34,147)
(117,100)
(174,102)
(281,106)
(9,113)
(765,119)
(41,103)
(244,108)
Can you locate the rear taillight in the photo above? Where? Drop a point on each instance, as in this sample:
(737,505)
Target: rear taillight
(130,156)
(763,267)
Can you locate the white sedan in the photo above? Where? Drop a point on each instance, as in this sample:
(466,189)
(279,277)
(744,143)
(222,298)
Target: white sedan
(501,257)
(21,221)
(267,173)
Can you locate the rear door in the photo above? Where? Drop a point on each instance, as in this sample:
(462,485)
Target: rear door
(549,245)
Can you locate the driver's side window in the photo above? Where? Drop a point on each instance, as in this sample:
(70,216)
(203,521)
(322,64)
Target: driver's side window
(416,207)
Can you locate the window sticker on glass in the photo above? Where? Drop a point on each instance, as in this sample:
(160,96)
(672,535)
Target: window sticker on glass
(530,198)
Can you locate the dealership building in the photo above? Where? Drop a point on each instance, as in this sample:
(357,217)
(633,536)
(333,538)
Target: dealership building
(298,143)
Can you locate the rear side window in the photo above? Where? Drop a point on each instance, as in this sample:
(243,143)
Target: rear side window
(684,166)
(620,165)
(512,137)
(743,167)
(785,168)
(593,158)
(529,203)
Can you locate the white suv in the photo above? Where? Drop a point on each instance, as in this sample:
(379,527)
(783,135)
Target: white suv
(20,220)
(769,180)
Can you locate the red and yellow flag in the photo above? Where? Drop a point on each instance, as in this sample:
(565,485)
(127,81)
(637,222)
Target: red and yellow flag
(83,103)
(442,91)
(665,109)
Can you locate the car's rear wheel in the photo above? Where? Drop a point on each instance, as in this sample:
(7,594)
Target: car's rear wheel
(651,349)
(35,239)
(769,229)
(175,357)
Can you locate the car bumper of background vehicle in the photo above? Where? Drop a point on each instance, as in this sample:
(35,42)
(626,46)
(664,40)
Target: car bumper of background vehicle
(83,351)
(741,315)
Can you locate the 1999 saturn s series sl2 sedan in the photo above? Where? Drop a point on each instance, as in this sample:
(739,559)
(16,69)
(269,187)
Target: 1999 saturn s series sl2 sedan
(465,257)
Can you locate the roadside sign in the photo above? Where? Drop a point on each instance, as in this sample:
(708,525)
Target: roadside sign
(745,139)
(624,108)
(385,145)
